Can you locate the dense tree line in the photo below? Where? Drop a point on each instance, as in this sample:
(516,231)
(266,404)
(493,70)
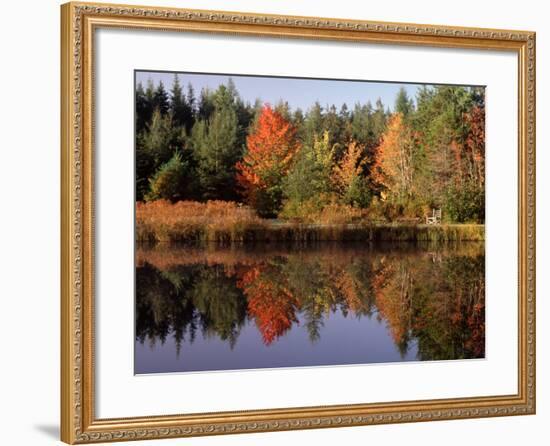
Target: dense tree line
(427,153)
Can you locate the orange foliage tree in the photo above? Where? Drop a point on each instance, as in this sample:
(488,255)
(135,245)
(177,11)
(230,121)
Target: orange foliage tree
(348,178)
(475,144)
(469,155)
(271,148)
(393,288)
(393,166)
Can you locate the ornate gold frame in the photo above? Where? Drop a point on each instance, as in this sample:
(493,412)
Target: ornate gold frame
(78,423)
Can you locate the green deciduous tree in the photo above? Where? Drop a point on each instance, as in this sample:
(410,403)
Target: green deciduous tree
(309,177)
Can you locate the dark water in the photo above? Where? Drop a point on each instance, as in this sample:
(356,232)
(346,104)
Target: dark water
(256,307)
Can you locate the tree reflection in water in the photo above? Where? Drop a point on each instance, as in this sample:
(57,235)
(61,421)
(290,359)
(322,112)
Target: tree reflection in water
(433,297)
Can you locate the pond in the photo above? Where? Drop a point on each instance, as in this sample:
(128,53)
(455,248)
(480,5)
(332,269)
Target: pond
(266,306)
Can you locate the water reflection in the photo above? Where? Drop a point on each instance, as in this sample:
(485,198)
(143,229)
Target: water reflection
(219,309)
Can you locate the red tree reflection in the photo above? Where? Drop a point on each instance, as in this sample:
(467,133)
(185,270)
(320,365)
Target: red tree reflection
(270,303)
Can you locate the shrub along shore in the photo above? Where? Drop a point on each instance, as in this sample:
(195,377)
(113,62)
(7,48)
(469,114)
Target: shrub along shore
(226,224)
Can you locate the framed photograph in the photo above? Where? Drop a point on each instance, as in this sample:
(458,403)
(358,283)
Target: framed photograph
(275,223)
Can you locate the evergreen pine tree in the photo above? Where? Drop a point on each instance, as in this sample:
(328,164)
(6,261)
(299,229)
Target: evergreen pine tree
(216,152)
(362,124)
(177,103)
(150,95)
(160,99)
(379,120)
(192,103)
(313,125)
(143,109)
(403,104)
(206,104)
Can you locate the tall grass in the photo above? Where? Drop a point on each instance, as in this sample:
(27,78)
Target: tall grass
(219,221)
(227,223)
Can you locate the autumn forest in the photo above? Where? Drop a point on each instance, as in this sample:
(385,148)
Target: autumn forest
(325,164)
(274,229)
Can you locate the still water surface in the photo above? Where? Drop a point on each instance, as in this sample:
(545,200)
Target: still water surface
(201,309)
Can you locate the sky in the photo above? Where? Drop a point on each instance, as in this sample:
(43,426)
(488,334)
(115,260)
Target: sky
(302,93)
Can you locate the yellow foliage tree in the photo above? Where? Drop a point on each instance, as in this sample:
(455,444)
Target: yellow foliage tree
(323,151)
(348,170)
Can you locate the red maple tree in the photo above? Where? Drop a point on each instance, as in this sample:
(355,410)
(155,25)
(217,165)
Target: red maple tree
(270,150)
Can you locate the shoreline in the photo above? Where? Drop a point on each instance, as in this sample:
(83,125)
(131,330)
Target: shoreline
(289,232)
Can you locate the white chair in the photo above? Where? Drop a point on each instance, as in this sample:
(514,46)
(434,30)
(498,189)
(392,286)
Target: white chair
(435,218)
